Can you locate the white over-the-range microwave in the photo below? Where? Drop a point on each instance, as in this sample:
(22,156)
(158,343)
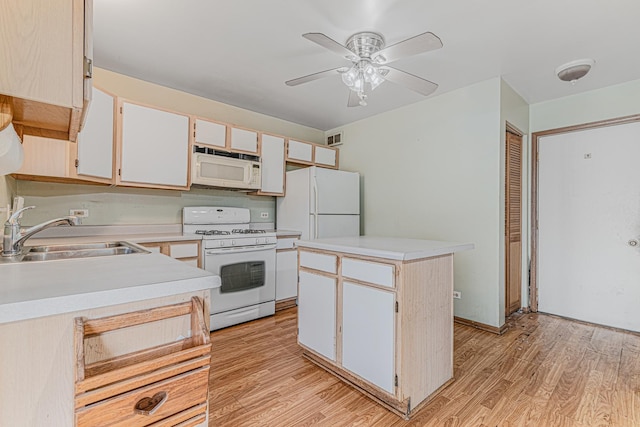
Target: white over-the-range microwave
(222,169)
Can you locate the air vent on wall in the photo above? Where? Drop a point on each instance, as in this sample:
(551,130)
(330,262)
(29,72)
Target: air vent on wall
(335,139)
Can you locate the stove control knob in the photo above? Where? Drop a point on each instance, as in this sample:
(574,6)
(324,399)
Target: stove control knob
(233,242)
(221,242)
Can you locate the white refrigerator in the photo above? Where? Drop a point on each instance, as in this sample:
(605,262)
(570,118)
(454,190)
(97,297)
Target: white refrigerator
(320,203)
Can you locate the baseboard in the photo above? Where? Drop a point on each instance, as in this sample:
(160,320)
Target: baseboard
(482,326)
(286,303)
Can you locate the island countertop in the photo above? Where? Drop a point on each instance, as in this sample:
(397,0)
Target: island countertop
(386,247)
(37,289)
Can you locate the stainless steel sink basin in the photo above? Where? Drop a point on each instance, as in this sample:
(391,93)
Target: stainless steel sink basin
(73,251)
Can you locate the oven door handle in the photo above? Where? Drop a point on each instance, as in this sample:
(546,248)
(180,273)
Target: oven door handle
(222,251)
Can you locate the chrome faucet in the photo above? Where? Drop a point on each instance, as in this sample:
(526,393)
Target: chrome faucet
(13,239)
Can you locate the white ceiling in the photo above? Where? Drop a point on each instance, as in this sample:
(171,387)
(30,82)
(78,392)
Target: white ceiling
(240,52)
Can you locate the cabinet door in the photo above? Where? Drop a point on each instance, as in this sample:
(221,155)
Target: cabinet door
(325,156)
(95,142)
(317,313)
(368,345)
(46,157)
(244,140)
(298,151)
(272,158)
(211,133)
(286,274)
(154,148)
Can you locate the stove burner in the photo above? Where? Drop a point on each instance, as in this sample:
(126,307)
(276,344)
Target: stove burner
(212,232)
(247,231)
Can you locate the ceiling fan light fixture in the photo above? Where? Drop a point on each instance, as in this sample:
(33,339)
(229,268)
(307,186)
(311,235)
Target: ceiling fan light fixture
(574,70)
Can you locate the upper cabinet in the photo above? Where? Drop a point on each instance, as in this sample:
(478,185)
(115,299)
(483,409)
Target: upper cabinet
(308,153)
(44,44)
(210,133)
(154,147)
(273,165)
(325,156)
(300,152)
(95,158)
(244,140)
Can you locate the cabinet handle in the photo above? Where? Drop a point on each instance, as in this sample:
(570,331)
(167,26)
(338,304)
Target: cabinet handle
(149,405)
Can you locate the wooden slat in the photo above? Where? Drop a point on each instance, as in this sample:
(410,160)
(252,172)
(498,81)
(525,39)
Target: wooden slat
(120,387)
(199,331)
(187,418)
(98,326)
(135,364)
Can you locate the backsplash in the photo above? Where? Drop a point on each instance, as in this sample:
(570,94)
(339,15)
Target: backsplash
(119,206)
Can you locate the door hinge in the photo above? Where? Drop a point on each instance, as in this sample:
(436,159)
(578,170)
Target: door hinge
(77,163)
(396,381)
(87,68)
(397,307)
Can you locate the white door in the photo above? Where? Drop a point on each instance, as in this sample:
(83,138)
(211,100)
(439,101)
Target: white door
(95,141)
(155,146)
(286,274)
(334,226)
(317,313)
(368,346)
(336,192)
(589,219)
(272,159)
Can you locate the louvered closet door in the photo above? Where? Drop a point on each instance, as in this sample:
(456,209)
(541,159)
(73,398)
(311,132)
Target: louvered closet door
(513,222)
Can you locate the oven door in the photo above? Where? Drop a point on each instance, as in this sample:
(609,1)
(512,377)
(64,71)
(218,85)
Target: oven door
(247,274)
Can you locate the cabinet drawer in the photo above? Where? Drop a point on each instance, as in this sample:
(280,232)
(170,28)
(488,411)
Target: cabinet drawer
(182,392)
(370,272)
(183,250)
(285,243)
(322,262)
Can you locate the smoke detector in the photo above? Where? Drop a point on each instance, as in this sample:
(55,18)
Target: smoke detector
(574,70)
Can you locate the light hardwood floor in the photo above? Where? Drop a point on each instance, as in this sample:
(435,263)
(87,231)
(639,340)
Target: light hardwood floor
(544,371)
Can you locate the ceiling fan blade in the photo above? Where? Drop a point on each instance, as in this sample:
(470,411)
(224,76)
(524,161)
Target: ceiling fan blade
(354,100)
(312,77)
(331,44)
(415,83)
(419,44)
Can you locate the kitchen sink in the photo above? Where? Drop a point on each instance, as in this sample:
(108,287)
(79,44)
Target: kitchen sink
(73,251)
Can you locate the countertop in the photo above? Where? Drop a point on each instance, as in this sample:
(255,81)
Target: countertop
(38,289)
(386,247)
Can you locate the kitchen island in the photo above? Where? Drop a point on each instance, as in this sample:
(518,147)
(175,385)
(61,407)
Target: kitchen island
(378,313)
(40,304)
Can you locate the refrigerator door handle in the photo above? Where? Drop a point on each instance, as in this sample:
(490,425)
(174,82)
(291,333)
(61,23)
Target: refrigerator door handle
(315,209)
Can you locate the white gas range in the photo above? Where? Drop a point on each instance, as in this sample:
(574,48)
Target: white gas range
(243,257)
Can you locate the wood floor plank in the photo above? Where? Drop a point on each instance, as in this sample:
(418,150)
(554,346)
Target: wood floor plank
(544,371)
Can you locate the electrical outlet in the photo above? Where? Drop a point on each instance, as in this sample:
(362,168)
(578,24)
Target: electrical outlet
(264,214)
(457,294)
(80,213)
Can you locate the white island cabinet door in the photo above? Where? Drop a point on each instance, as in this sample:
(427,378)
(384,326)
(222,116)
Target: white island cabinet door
(317,314)
(155,147)
(272,157)
(95,141)
(368,324)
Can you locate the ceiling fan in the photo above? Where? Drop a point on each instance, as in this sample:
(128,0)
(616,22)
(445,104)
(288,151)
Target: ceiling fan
(370,58)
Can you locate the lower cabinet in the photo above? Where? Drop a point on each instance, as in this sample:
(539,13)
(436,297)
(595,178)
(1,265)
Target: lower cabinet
(382,325)
(317,313)
(188,251)
(368,338)
(286,271)
(165,384)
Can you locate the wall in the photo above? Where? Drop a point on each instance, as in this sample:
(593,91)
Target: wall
(120,205)
(432,170)
(7,191)
(515,111)
(601,104)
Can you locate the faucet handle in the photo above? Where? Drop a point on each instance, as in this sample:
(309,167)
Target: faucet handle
(13,219)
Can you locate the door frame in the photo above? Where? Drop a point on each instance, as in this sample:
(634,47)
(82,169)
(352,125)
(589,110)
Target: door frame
(533,273)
